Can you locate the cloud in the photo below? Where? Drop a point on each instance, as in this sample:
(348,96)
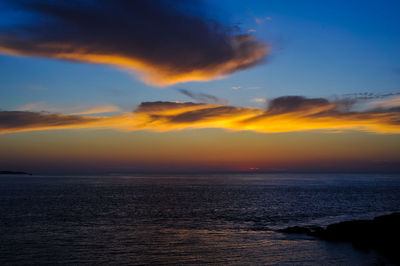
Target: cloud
(155,40)
(99,110)
(201,97)
(247,88)
(292,104)
(258,100)
(216,113)
(70,109)
(387,103)
(283,114)
(32,106)
(166,107)
(370,95)
(16,121)
(262,20)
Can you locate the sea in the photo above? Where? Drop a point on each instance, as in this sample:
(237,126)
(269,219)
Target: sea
(186,219)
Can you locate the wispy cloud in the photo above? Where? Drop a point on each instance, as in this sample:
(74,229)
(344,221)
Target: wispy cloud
(247,88)
(38,106)
(69,109)
(202,97)
(99,110)
(260,20)
(16,121)
(387,103)
(283,114)
(370,95)
(258,100)
(155,40)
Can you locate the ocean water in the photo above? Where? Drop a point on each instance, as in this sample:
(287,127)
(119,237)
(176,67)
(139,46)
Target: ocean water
(186,219)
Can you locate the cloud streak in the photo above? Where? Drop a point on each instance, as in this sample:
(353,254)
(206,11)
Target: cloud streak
(284,114)
(387,103)
(201,97)
(17,121)
(99,110)
(155,40)
(69,109)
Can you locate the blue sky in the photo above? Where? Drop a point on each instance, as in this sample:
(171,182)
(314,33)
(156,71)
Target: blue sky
(317,48)
(300,109)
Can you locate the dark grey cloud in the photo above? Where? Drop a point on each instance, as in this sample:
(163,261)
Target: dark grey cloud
(25,120)
(160,106)
(288,104)
(205,114)
(166,42)
(201,97)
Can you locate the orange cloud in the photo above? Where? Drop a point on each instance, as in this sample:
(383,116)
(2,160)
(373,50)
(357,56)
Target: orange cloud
(284,114)
(99,110)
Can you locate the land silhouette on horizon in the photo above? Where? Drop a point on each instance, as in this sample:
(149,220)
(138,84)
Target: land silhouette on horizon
(14,173)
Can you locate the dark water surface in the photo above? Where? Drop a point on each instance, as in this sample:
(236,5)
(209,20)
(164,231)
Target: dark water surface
(186,219)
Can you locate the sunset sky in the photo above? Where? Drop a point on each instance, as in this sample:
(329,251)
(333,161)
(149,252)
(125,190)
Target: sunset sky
(129,86)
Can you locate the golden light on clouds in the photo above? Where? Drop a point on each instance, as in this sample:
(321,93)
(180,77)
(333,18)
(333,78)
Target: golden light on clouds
(151,72)
(285,114)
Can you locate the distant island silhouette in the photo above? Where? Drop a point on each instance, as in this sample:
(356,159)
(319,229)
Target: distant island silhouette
(380,234)
(14,173)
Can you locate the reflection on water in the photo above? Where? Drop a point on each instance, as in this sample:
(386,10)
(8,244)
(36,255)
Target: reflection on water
(179,219)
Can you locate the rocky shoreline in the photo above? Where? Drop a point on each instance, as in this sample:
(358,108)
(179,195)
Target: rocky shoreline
(381,234)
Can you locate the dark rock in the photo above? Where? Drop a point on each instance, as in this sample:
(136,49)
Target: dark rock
(315,230)
(295,230)
(381,234)
(304,230)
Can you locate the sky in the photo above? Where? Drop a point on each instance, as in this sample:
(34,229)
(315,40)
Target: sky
(102,86)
